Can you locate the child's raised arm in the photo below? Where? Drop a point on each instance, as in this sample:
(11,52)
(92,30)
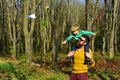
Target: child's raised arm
(67,39)
(85,32)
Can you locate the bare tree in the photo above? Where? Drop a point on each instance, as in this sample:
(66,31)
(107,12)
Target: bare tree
(12,28)
(91,14)
(105,27)
(28,30)
(115,4)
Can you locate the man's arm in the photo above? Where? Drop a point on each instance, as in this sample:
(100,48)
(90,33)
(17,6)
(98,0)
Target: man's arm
(92,65)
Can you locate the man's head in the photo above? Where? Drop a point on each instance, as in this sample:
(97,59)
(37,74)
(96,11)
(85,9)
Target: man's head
(83,40)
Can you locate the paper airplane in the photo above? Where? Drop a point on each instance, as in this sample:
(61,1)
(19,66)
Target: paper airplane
(31,16)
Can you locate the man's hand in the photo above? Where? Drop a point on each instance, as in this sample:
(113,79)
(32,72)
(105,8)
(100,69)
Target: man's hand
(71,53)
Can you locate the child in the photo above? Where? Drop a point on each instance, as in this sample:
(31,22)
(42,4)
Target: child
(76,33)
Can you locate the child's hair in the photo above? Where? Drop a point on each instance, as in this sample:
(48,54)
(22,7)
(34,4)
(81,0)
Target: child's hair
(75,27)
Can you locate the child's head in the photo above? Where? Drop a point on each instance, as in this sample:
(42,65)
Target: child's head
(75,28)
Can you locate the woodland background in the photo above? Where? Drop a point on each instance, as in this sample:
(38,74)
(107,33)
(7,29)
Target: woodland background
(40,40)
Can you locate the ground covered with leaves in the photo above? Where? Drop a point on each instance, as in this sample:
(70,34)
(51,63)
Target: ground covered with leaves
(40,69)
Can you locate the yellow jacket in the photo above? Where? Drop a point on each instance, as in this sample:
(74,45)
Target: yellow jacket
(79,59)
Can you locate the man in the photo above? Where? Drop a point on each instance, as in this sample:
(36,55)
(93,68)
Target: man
(80,68)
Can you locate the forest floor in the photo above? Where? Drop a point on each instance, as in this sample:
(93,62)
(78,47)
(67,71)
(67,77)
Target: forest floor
(105,69)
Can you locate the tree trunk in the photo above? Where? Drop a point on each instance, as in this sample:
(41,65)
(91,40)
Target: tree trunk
(54,48)
(112,44)
(12,27)
(28,48)
(103,46)
(112,52)
(28,32)
(116,26)
(105,28)
(91,14)
(93,40)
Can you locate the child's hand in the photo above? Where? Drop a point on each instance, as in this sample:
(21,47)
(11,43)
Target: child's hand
(64,42)
(94,34)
